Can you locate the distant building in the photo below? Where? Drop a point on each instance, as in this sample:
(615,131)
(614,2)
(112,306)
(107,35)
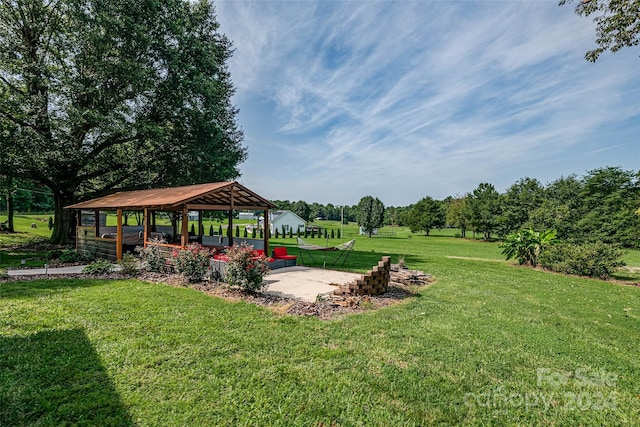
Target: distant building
(286,219)
(247,216)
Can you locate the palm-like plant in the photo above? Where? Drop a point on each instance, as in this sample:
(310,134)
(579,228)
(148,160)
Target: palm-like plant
(526,245)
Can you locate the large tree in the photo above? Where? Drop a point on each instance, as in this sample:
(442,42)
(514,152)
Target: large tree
(301,208)
(483,208)
(370,214)
(456,214)
(425,215)
(522,198)
(617,23)
(106,95)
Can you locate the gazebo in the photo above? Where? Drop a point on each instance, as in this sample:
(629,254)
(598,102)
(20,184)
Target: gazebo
(178,202)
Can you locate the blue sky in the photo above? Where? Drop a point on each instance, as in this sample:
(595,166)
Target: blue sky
(400,100)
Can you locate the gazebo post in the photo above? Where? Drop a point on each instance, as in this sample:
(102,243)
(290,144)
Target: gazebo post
(184,240)
(119,236)
(231,218)
(266,232)
(147,228)
(96,216)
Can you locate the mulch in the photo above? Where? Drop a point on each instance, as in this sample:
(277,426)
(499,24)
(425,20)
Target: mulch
(331,307)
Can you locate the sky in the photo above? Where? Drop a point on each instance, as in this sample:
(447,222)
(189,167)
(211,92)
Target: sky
(406,99)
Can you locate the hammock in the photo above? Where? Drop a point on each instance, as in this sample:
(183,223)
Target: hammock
(308,248)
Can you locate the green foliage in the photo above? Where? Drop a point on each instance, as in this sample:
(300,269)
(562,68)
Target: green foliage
(237,231)
(482,208)
(192,261)
(50,223)
(522,198)
(245,269)
(527,245)
(261,233)
(4,274)
(455,214)
(246,233)
(193,230)
(370,214)
(220,230)
(301,209)
(277,233)
(69,256)
(588,259)
(425,215)
(152,259)
(100,266)
(211,230)
(253,233)
(617,24)
(333,234)
(290,233)
(338,234)
(128,264)
(117,79)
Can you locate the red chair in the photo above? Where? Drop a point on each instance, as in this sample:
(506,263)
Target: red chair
(280,252)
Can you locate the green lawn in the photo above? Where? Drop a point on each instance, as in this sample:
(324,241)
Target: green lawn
(487,343)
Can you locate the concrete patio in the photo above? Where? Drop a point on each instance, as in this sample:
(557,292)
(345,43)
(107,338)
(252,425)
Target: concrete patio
(305,283)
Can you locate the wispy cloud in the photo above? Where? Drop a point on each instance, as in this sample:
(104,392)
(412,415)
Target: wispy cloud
(404,99)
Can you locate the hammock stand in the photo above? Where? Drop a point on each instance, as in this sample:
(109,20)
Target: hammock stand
(307,248)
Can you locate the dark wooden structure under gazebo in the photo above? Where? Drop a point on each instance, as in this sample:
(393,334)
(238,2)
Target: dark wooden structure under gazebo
(179,201)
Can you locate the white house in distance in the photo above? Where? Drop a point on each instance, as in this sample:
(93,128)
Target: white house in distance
(286,219)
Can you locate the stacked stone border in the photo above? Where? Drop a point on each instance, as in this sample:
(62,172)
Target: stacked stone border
(374,282)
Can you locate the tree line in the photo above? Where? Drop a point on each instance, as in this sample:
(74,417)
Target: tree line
(603,205)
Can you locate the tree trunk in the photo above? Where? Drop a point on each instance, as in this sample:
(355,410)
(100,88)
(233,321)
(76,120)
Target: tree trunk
(63,225)
(10,210)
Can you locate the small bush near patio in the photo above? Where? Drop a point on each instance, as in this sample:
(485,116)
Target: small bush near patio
(589,259)
(192,261)
(152,259)
(244,269)
(98,267)
(128,265)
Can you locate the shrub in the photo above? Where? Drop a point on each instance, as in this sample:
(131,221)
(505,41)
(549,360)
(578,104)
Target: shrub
(588,259)
(526,245)
(192,261)
(211,230)
(253,233)
(333,234)
(193,230)
(338,234)
(100,266)
(69,255)
(128,265)
(4,274)
(244,269)
(261,233)
(291,233)
(220,230)
(246,234)
(50,223)
(237,231)
(152,259)
(277,233)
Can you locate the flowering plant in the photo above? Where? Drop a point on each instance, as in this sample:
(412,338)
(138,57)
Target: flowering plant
(192,261)
(245,267)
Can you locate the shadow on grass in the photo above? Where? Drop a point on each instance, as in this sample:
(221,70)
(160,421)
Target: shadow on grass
(42,287)
(56,378)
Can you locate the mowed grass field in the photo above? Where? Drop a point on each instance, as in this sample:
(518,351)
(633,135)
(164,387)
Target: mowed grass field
(488,343)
